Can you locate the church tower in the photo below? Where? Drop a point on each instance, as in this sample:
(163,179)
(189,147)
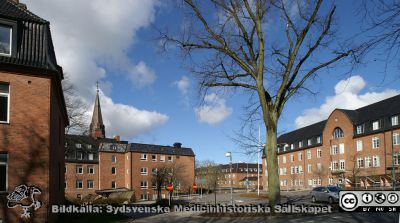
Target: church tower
(97,129)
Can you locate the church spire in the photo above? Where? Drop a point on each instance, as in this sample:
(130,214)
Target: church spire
(97,129)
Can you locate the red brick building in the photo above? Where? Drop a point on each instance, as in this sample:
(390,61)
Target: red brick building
(243,176)
(352,148)
(32,117)
(96,164)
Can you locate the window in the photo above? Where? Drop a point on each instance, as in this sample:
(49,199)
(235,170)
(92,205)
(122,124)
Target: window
(319,167)
(113,184)
(334,150)
(144,197)
(90,184)
(359,145)
(113,159)
(300,169)
(300,156)
(284,170)
(90,170)
(360,129)
(143,184)
(3,171)
(309,142)
(154,158)
(292,158)
(395,120)
(5,40)
(338,133)
(342,165)
(330,180)
(319,139)
(143,157)
(90,156)
(367,161)
(396,158)
(4,101)
(89,146)
(309,168)
(162,158)
(284,159)
(79,169)
(79,184)
(334,165)
(300,144)
(360,162)
(292,170)
(375,161)
(291,146)
(78,145)
(396,138)
(341,148)
(143,171)
(170,158)
(375,142)
(319,153)
(375,125)
(154,171)
(113,170)
(79,156)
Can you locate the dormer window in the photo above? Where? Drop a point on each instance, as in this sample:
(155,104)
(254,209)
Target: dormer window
(375,125)
(300,144)
(338,133)
(5,40)
(319,139)
(360,129)
(78,145)
(395,120)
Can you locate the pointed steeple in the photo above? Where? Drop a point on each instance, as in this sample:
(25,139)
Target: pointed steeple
(97,128)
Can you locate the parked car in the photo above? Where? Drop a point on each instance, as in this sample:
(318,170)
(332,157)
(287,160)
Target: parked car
(325,194)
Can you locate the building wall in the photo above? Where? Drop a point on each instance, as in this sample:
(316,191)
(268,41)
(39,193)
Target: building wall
(71,176)
(105,165)
(27,141)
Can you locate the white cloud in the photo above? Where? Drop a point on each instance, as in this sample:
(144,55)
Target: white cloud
(183,86)
(347,96)
(214,111)
(92,38)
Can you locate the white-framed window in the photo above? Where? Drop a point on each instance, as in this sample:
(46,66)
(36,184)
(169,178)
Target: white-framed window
(78,145)
(5,40)
(284,159)
(319,139)
(342,165)
(113,170)
(3,171)
(144,197)
(284,170)
(395,120)
(300,144)
(154,171)
(360,162)
(309,154)
(113,184)
(319,182)
(335,165)
(291,158)
(170,158)
(376,161)
(143,184)
(90,184)
(396,158)
(300,169)
(79,169)
(162,158)
(143,171)
(309,142)
(4,101)
(334,150)
(341,148)
(396,137)
(113,159)
(359,145)
(310,182)
(375,142)
(300,156)
(143,157)
(90,170)
(89,146)
(367,161)
(291,146)
(79,184)
(154,157)
(338,133)
(330,181)
(292,170)
(360,129)
(319,153)
(90,156)
(309,168)
(319,167)
(375,125)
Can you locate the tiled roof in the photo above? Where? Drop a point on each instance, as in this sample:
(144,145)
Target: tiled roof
(159,149)
(302,133)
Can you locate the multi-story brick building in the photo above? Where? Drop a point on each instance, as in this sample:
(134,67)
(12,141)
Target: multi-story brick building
(352,148)
(33,117)
(243,176)
(96,164)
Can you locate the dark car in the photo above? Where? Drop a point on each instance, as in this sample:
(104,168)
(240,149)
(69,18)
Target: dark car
(325,194)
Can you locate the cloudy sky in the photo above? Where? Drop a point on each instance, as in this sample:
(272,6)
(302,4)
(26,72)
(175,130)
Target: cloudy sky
(149,97)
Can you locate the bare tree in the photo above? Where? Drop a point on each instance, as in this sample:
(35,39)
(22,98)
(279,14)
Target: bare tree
(211,174)
(355,168)
(76,109)
(242,51)
(164,174)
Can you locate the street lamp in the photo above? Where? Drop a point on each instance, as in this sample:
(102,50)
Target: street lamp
(229,154)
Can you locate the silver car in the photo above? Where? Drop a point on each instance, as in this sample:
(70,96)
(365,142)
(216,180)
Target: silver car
(326,194)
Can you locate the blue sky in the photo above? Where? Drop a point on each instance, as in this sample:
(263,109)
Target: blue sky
(150,97)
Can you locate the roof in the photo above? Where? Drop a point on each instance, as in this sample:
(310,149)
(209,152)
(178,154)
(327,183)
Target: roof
(302,133)
(159,149)
(11,10)
(241,167)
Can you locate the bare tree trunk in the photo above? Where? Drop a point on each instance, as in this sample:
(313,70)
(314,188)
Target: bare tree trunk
(272,167)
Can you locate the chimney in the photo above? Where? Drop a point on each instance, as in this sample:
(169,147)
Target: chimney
(177,145)
(117,138)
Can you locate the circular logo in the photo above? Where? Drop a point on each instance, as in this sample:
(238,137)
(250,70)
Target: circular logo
(392,198)
(349,201)
(380,198)
(367,198)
